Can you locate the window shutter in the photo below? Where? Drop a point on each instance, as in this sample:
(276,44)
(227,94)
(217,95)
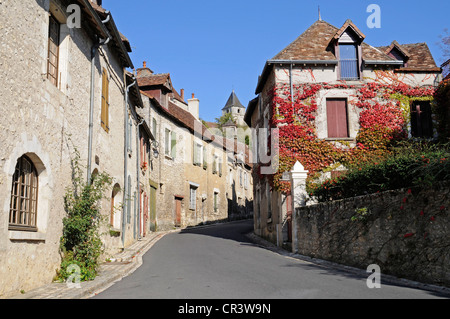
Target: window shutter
(174,144)
(105,101)
(337,118)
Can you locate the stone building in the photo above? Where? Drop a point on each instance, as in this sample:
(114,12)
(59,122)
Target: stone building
(188,168)
(322,72)
(65,89)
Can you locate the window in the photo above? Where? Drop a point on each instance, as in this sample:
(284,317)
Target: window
(216,203)
(421,122)
(245,180)
(167,142)
(170,143)
(193,197)
(269,201)
(197,154)
(154,128)
(24,196)
(337,118)
(53,50)
(215,164)
(348,60)
(105,101)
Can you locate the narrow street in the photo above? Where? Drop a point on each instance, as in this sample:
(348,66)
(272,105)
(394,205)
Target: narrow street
(220,262)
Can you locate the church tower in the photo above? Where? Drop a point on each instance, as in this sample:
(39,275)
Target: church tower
(235,107)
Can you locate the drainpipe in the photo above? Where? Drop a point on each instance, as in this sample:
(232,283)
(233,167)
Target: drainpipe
(138,160)
(94,51)
(125,159)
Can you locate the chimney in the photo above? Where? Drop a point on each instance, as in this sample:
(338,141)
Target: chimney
(182,94)
(145,64)
(194,106)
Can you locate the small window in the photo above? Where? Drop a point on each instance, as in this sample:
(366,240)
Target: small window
(216,202)
(421,122)
(193,198)
(269,201)
(53,50)
(348,60)
(105,101)
(197,154)
(24,196)
(167,142)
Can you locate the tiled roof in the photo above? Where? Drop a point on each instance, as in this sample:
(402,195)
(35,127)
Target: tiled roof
(420,57)
(316,44)
(313,44)
(153,79)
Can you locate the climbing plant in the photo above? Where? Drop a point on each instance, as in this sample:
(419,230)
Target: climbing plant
(383,118)
(80,243)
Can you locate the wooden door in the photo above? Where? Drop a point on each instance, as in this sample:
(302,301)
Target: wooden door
(177,212)
(153,208)
(289,217)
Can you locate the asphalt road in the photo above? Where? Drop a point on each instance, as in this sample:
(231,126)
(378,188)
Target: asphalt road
(220,262)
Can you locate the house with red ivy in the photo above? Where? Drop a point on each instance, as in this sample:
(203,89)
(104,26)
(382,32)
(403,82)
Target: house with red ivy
(334,100)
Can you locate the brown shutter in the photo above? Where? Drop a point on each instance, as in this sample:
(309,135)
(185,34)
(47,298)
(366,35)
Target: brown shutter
(105,101)
(337,118)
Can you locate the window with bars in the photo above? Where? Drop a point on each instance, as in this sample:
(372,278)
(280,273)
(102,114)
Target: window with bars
(53,50)
(348,60)
(105,101)
(24,196)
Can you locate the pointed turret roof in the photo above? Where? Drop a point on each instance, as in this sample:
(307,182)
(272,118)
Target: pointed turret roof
(233,101)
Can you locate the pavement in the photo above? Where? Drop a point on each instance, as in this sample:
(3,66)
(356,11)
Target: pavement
(120,266)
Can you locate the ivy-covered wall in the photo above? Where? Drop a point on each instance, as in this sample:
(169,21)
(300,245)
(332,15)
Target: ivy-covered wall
(383,115)
(405,232)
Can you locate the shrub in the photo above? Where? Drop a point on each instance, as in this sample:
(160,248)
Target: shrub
(411,164)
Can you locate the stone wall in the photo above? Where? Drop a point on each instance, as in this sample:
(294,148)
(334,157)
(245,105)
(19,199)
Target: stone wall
(406,232)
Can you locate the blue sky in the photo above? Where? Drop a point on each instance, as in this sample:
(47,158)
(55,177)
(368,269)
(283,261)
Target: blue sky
(212,47)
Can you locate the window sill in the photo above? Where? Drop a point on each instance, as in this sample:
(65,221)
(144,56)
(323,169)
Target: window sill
(26,236)
(350,139)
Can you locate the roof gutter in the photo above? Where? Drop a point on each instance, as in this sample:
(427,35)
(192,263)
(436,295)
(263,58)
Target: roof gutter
(375,62)
(262,79)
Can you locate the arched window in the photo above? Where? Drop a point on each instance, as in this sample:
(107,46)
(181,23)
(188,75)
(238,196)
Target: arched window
(24,196)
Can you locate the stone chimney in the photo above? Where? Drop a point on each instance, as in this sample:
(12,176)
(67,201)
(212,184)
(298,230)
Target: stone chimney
(144,71)
(194,106)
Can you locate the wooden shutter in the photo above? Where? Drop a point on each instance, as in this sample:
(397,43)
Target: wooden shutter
(174,145)
(337,118)
(53,50)
(105,101)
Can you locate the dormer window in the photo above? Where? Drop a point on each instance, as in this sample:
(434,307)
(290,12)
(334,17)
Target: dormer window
(397,52)
(348,61)
(347,45)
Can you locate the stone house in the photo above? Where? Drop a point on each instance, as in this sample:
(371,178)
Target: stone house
(323,74)
(65,89)
(188,169)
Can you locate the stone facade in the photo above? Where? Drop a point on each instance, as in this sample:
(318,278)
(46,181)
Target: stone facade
(46,122)
(195,173)
(405,232)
